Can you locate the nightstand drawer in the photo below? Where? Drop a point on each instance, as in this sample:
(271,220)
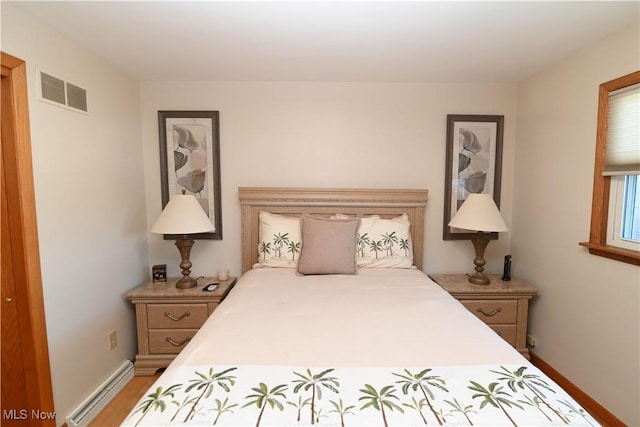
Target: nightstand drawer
(177,316)
(169,341)
(507,332)
(493,311)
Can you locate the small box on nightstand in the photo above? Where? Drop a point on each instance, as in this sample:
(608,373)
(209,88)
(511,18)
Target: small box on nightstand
(159,273)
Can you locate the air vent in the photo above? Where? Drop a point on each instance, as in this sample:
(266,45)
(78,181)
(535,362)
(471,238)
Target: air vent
(76,97)
(59,92)
(52,88)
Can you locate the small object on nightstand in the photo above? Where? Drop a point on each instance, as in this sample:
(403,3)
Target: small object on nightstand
(506,274)
(210,287)
(223,274)
(159,273)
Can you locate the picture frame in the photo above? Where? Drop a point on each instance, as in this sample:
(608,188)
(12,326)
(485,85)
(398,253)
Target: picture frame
(190,162)
(159,273)
(473,165)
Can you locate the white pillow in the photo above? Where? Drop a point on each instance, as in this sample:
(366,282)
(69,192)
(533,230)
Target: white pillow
(384,243)
(280,240)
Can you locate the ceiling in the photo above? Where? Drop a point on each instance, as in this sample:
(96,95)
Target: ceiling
(373,41)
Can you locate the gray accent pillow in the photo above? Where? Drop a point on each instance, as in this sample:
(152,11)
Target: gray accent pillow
(328,246)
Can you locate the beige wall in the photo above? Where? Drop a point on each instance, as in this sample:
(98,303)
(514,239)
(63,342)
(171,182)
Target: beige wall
(98,192)
(90,207)
(327,135)
(587,316)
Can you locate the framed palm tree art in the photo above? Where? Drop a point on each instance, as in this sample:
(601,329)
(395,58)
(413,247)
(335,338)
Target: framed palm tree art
(190,162)
(473,165)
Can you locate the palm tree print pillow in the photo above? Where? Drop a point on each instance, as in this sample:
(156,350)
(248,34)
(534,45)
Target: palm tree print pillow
(384,243)
(280,240)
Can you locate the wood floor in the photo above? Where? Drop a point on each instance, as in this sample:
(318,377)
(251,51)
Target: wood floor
(117,410)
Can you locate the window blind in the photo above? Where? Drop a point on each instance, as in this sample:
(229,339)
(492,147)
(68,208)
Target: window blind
(623,132)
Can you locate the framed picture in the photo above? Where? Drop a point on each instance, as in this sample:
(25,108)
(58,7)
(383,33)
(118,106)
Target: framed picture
(159,273)
(474,165)
(190,161)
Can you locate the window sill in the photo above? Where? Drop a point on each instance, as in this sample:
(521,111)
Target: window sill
(613,252)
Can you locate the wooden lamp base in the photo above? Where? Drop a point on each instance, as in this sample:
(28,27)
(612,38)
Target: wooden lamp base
(480,241)
(184,245)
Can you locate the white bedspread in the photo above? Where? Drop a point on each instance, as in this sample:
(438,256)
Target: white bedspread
(384,347)
(379,317)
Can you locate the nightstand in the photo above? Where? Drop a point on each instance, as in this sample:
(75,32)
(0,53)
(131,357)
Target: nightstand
(167,318)
(503,306)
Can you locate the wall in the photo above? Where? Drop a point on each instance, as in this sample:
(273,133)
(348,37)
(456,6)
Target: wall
(90,207)
(93,215)
(587,315)
(327,135)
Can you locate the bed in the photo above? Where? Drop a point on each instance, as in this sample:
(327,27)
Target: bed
(385,346)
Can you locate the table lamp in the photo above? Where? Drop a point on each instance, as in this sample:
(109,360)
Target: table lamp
(183,216)
(479,213)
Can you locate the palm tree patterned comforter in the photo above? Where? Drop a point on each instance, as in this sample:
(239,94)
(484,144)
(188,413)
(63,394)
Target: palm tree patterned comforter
(501,395)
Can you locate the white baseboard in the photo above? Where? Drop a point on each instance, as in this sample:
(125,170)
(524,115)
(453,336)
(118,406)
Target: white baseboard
(84,413)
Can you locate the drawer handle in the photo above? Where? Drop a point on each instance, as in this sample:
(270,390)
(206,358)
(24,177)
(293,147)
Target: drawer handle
(491,313)
(177,319)
(177,343)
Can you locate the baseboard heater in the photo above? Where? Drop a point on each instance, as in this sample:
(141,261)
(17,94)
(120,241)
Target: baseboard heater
(91,406)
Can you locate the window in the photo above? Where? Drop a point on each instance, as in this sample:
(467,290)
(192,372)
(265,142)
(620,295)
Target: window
(630,229)
(615,213)
(624,212)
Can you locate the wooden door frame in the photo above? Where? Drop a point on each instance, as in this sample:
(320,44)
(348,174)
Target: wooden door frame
(16,161)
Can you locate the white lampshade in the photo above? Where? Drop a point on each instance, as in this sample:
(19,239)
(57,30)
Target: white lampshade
(182,215)
(479,213)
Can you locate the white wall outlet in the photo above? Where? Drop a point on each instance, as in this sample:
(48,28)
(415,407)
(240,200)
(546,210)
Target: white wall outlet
(113,339)
(531,340)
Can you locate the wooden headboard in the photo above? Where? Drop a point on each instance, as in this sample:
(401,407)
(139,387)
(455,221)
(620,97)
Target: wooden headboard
(325,202)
